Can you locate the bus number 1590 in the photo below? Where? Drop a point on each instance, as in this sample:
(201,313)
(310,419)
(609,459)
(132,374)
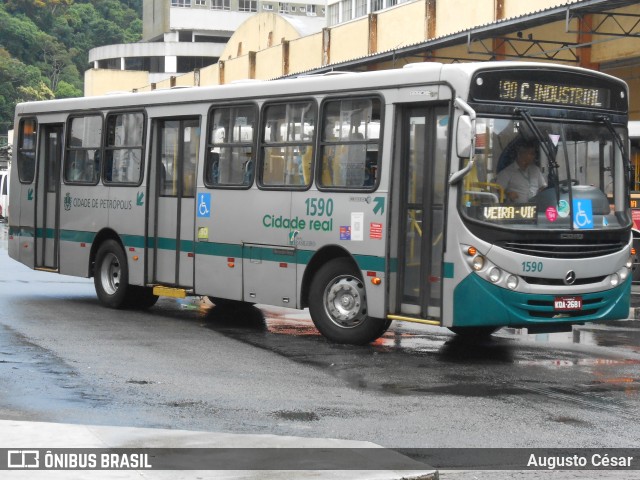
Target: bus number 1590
(532,267)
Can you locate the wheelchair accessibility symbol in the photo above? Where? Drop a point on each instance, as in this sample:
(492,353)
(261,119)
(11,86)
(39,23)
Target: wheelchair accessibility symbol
(204,205)
(582,214)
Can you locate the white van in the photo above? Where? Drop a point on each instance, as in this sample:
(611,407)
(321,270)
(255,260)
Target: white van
(4,195)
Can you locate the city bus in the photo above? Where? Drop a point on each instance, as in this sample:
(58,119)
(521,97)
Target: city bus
(364,197)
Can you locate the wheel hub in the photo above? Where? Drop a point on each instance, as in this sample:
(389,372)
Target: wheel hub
(345,301)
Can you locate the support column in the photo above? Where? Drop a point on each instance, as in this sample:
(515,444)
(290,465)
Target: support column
(326,46)
(585,25)
(285,57)
(221,72)
(373,33)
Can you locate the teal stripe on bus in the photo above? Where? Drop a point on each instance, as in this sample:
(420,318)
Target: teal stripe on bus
(76,236)
(135,241)
(269,254)
(21,231)
(447,270)
(45,232)
(219,249)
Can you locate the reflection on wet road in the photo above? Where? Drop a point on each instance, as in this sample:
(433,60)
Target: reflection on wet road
(510,363)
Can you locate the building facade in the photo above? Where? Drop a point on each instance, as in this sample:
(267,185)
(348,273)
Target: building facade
(181,36)
(597,34)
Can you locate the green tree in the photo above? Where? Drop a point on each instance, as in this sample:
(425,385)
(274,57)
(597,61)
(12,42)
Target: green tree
(18,83)
(66,90)
(44,45)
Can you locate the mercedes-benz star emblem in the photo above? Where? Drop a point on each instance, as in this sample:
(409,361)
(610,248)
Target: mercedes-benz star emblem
(570,277)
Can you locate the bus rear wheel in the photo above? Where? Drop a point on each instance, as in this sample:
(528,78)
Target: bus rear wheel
(338,305)
(111,275)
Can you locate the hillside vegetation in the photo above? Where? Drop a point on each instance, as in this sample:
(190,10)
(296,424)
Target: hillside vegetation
(44,45)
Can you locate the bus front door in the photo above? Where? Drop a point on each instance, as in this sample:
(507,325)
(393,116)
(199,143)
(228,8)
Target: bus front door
(422,149)
(176,159)
(47,196)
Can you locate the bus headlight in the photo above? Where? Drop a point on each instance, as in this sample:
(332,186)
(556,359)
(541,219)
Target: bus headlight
(624,273)
(494,274)
(614,279)
(629,263)
(512,282)
(478,263)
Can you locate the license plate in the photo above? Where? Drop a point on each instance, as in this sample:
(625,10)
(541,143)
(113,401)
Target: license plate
(567,303)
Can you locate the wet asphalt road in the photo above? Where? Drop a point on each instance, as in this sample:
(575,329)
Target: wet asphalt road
(189,365)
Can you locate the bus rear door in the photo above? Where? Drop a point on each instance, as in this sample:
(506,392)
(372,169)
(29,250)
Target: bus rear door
(48,196)
(175,161)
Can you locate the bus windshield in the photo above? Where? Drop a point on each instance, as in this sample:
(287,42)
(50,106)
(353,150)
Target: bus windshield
(556,175)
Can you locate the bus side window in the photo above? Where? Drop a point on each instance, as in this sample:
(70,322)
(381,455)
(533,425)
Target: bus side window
(123,148)
(350,143)
(288,144)
(81,164)
(230,156)
(27,150)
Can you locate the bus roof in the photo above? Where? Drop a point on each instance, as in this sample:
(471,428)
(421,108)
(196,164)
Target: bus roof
(410,74)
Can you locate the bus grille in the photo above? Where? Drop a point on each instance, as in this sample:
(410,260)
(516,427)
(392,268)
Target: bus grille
(564,250)
(560,281)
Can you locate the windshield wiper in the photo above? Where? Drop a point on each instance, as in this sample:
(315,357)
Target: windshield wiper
(620,143)
(547,146)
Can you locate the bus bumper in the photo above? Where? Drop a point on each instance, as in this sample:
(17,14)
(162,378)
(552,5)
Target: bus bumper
(478,303)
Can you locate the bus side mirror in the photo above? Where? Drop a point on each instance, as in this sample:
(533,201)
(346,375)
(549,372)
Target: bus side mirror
(463,137)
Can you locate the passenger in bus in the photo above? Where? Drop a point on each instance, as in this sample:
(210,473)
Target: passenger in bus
(522,179)
(75,172)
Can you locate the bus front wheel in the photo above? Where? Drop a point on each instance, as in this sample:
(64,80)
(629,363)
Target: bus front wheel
(338,305)
(111,275)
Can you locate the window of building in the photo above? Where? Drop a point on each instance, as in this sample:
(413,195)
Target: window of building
(334,14)
(377,5)
(267,7)
(350,144)
(82,160)
(180,3)
(230,153)
(287,144)
(201,3)
(220,4)
(361,8)
(311,10)
(123,149)
(283,8)
(27,150)
(346,10)
(248,5)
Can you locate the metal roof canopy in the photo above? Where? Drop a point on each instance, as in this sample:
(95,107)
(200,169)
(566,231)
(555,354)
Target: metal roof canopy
(492,38)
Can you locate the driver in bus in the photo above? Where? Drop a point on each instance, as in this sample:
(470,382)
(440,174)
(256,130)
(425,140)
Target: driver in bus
(522,179)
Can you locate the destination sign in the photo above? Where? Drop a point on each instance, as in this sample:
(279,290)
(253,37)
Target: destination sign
(536,92)
(548,86)
(520,213)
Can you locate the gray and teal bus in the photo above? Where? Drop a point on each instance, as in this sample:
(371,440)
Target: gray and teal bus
(364,197)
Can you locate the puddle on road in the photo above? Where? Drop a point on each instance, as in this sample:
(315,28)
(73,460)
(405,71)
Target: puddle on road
(420,338)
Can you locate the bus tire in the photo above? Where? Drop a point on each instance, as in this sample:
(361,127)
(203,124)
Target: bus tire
(338,305)
(140,298)
(473,331)
(111,275)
